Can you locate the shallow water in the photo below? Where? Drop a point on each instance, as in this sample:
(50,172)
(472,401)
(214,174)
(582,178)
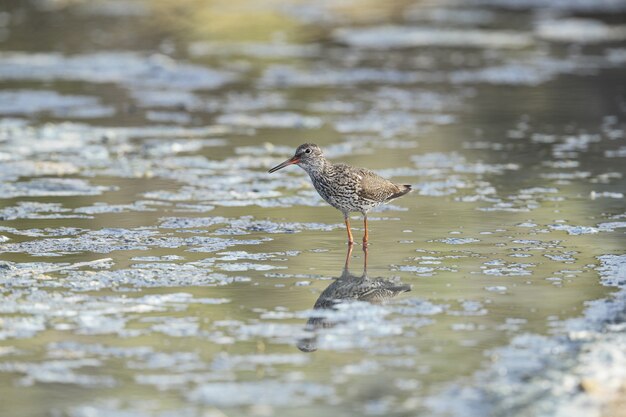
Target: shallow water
(206,269)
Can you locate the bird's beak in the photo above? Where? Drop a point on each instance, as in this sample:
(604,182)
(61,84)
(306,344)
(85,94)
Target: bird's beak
(288,162)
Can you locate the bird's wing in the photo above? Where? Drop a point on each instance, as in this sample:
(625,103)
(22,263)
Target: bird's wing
(374,187)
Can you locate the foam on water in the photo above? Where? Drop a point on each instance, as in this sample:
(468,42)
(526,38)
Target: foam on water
(583,356)
(404,36)
(126,68)
(28,102)
(580,31)
(218,272)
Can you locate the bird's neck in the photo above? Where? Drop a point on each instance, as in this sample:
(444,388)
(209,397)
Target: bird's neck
(318,167)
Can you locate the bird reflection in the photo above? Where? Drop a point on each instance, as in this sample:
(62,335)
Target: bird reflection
(347,288)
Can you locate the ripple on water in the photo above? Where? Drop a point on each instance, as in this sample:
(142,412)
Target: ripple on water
(35,210)
(59,372)
(590,350)
(118,239)
(281,76)
(51,187)
(458,240)
(579,30)
(30,102)
(127,68)
(245,224)
(266,392)
(271,120)
(384,37)
(511,269)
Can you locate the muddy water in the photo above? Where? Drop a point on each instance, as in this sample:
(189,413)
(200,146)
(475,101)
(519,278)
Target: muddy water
(150,265)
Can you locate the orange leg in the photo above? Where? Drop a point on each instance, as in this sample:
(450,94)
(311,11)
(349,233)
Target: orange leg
(348,255)
(365,236)
(350,239)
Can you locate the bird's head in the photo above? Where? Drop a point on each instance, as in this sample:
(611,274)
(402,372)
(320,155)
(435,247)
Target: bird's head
(307,156)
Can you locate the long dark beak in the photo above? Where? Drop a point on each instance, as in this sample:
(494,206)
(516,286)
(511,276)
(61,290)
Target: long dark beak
(288,162)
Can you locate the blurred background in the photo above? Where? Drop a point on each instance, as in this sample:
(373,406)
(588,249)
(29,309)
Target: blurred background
(140,132)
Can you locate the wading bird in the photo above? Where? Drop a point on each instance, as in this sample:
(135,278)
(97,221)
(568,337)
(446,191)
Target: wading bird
(348,189)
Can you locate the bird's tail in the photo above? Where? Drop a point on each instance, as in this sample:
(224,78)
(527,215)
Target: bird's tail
(403,189)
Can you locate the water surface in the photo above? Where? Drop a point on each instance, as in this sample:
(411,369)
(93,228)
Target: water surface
(151,266)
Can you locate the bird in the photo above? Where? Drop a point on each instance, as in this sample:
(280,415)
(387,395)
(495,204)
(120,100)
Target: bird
(346,188)
(345,289)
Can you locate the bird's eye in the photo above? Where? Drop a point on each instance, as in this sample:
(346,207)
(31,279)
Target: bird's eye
(307,151)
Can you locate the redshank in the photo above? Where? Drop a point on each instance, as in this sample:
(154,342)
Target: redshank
(348,189)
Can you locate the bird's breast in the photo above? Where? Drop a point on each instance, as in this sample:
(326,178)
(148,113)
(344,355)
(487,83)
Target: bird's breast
(340,191)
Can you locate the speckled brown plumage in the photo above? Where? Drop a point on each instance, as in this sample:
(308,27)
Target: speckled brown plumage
(351,189)
(348,189)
